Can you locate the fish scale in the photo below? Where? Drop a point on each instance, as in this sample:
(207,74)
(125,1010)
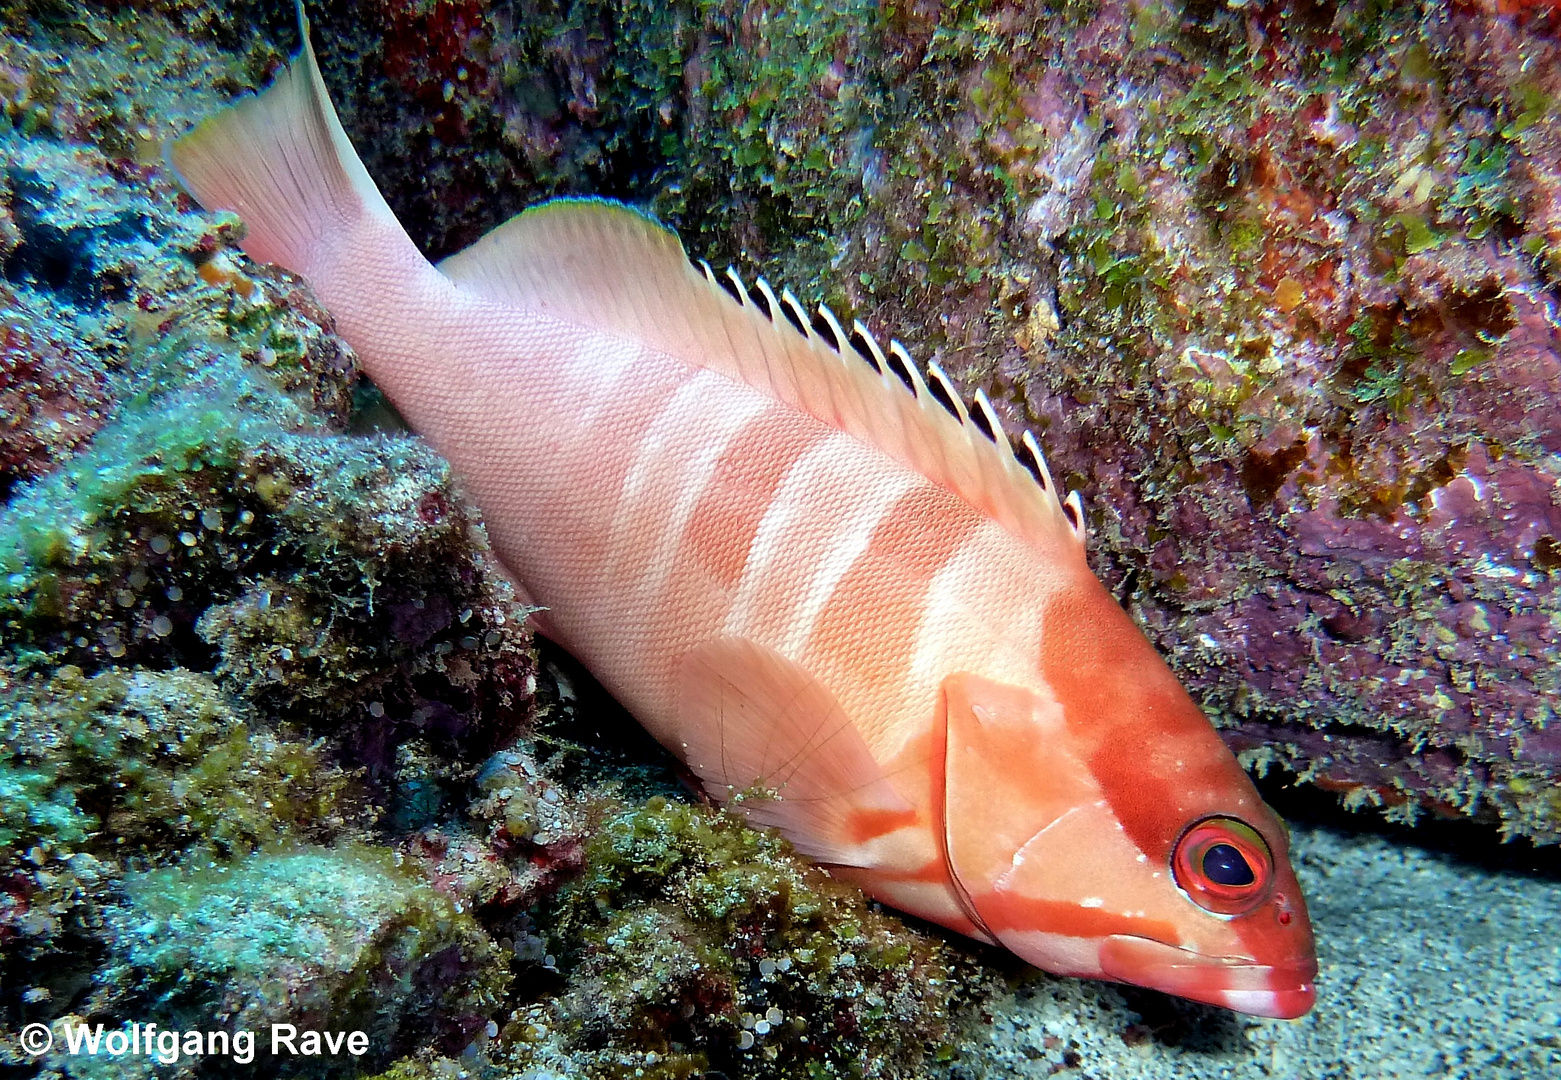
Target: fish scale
(808,568)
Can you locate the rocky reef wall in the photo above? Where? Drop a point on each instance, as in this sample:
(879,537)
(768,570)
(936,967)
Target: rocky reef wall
(1275,285)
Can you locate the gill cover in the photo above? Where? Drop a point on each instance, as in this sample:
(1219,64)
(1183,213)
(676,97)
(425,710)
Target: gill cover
(1044,866)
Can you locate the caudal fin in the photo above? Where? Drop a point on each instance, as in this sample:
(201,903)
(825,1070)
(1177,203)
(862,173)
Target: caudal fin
(282,162)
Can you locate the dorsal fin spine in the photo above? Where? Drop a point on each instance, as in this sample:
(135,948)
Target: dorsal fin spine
(1075,501)
(875,354)
(841,342)
(795,312)
(919,386)
(903,371)
(1030,443)
(758,373)
(999,436)
(939,376)
(771,301)
(742,290)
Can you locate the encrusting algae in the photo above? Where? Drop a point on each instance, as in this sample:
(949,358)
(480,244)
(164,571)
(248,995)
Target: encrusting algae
(699,942)
(348,938)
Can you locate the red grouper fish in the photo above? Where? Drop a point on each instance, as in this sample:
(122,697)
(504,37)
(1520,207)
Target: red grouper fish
(805,566)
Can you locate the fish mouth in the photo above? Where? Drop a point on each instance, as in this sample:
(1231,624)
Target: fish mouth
(1282,991)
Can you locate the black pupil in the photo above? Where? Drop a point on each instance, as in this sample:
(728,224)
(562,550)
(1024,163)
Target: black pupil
(1224,865)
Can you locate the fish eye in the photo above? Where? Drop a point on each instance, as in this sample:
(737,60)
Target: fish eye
(1224,866)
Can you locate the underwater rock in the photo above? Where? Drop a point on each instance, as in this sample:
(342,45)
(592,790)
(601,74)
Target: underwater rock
(221,616)
(188,534)
(690,942)
(131,761)
(330,581)
(51,393)
(429,78)
(100,253)
(100,772)
(1276,288)
(341,939)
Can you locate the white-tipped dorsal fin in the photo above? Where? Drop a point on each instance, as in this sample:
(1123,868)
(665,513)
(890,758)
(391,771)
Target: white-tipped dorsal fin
(602,265)
(769,303)
(863,342)
(795,313)
(838,339)
(1043,475)
(903,360)
(1073,510)
(941,385)
(991,425)
(736,280)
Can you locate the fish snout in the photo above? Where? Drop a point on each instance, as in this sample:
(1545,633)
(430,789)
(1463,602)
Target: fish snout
(1283,991)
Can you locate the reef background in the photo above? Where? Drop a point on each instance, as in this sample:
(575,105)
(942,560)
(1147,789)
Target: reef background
(1276,286)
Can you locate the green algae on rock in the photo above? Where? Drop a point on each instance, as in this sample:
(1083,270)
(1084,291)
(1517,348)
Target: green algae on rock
(131,761)
(300,568)
(337,939)
(130,766)
(690,942)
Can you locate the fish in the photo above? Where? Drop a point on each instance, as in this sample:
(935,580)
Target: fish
(852,605)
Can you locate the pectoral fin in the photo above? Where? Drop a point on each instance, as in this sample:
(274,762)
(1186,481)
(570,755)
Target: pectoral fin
(754,723)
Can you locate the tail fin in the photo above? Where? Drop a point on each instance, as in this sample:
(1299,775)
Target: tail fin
(282,162)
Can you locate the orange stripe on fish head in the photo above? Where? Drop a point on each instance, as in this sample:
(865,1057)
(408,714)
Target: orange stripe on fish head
(1100,827)
(1174,786)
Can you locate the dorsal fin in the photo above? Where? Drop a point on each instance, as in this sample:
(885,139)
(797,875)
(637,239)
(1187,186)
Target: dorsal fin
(603,265)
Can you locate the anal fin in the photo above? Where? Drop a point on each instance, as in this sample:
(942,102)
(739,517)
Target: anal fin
(752,722)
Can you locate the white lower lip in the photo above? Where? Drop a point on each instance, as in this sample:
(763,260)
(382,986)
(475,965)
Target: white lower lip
(1256,1002)
(1233,982)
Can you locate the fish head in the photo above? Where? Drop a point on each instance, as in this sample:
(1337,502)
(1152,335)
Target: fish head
(1096,825)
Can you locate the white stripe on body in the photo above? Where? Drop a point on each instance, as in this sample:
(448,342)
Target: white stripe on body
(974,619)
(676,460)
(819,524)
